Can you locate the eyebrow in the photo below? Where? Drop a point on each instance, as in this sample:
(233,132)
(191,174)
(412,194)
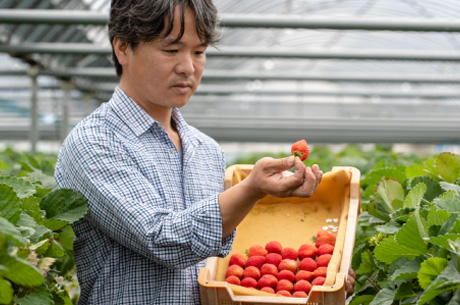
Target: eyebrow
(172,41)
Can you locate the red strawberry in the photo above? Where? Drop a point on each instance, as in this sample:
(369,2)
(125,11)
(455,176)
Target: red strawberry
(289,253)
(323,260)
(257,250)
(273,247)
(237,259)
(325,237)
(274,259)
(256,261)
(300,149)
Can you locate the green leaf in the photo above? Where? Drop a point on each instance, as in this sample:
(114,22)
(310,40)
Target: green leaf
(433,189)
(55,250)
(45,181)
(448,279)
(31,206)
(10,207)
(404,291)
(411,234)
(389,191)
(448,225)
(364,299)
(437,217)
(11,232)
(448,166)
(408,271)
(40,296)
(6,292)
(367,263)
(21,187)
(450,205)
(22,273)
(388,228)
(388,250)
(384,297)
(430,269)
(4,166)
(63,205)
(415,170)
(41,246)
(402,215)
(414,196)
(450,187)
(455,299)
(26,225)
(66,237)
(443,241)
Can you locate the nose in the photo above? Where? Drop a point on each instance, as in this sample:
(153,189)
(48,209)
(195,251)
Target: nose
(186,65)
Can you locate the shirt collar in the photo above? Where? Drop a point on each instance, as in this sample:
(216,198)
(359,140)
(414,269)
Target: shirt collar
(131,113)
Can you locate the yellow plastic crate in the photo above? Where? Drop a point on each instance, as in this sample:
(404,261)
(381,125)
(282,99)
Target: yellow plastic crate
(292,221)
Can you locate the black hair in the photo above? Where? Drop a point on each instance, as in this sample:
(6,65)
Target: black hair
(136,21)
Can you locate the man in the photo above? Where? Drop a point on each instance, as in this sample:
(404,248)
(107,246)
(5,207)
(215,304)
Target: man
(154,184)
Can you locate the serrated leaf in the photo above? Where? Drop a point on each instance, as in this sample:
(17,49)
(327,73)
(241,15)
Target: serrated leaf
(433,189)
(450,187)
(450,205)
(414,196)
(388,228)
(45,181)
(55,250)
(411,234)
(11,232)
(364,299)
(408,271)
(448,224)
(6,292)
(31,206)
(40,296)
(430,269)
(448,166)
(384,297)
(437,217)
(41,246)
(66,237)
(23,273)
(443,241)
(389,194)
(402,215)
(367,263)
(388,250)
(10,206)
(21,187)
(65,205)
(448,279)
(404,291)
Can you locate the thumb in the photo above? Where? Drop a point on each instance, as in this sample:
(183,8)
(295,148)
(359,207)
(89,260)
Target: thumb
(282,164)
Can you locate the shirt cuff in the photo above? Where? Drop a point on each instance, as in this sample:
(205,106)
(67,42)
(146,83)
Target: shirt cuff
(207,230)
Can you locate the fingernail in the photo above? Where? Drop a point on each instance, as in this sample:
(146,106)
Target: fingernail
(291,161)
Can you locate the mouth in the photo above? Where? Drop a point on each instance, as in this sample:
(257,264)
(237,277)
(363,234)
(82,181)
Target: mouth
(183,87)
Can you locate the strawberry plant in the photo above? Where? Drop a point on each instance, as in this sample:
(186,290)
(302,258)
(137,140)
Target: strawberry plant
(36,239)
(407,245)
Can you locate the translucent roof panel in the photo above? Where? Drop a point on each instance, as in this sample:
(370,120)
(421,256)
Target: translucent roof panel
(331,71)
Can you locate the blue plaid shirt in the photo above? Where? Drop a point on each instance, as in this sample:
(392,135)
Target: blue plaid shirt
(153,216)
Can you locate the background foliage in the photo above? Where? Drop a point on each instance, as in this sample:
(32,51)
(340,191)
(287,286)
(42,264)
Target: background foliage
(406,249)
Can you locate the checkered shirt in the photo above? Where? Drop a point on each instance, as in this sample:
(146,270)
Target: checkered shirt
(153,216)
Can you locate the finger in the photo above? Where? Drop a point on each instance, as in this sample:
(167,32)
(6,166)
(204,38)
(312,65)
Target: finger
(279,165)
(318,173)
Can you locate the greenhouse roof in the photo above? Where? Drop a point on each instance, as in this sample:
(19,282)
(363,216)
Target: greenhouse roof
(330,71)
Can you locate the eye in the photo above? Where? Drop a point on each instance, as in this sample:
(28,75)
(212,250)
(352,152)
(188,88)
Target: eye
(171,51)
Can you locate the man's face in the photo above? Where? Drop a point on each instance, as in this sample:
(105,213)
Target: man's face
(160,74)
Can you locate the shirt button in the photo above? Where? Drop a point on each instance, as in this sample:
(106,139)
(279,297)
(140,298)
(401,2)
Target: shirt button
(158,127)
(172,151)
(186,191)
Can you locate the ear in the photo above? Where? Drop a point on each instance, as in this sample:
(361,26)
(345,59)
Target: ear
(121,50)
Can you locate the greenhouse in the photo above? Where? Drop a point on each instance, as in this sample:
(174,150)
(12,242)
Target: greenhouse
(373,87)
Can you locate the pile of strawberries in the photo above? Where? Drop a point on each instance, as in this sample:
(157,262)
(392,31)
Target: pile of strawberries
(283,271)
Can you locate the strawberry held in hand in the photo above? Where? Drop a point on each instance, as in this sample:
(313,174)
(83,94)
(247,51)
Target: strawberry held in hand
(300,149)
